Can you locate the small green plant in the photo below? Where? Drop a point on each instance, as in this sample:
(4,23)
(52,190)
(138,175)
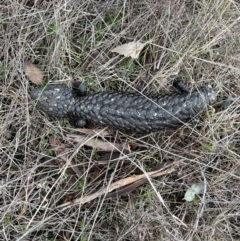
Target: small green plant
(80,184)
(208,147)
(7,219)
(54,27)
(128,63)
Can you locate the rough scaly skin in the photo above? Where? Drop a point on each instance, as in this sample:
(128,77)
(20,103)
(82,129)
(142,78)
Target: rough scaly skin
(124,111)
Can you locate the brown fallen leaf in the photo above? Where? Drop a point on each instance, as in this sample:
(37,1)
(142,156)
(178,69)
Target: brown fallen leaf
(57,146)
(33,73)
(131,49)
(96,143)
(117,184)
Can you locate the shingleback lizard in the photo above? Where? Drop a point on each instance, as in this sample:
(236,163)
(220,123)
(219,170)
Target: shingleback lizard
(131,112)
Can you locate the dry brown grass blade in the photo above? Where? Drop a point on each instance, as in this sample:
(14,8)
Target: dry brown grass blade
(116,185)
(100,132)
(24,209)
(33,73)
(99,144)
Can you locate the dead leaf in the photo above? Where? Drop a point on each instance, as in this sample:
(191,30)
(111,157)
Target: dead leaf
(131,49)
(97,143)
(58,147)
(33,73)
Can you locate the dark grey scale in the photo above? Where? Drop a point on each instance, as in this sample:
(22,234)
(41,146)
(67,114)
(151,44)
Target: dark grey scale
(131,113)
(111,111)
(104,111)
(142,128)
(113,122)
(148,104)
(143,112)
(120,111)
(89,107)
(104,98)
(153,115)
(94,101)
(122,123)
(95,109)
(134,102)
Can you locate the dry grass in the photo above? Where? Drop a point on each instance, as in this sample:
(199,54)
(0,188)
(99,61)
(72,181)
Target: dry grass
(198,41)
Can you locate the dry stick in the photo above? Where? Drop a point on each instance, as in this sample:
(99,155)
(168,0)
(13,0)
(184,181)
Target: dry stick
(202,205)
(115,185)
(133,186)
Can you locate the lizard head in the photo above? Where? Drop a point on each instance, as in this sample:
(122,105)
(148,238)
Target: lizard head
(55,100)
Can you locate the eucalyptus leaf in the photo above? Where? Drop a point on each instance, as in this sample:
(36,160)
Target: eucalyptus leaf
(191,192)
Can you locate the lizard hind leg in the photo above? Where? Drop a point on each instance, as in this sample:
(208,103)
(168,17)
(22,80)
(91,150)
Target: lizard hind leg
(178,84)
(77,122)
